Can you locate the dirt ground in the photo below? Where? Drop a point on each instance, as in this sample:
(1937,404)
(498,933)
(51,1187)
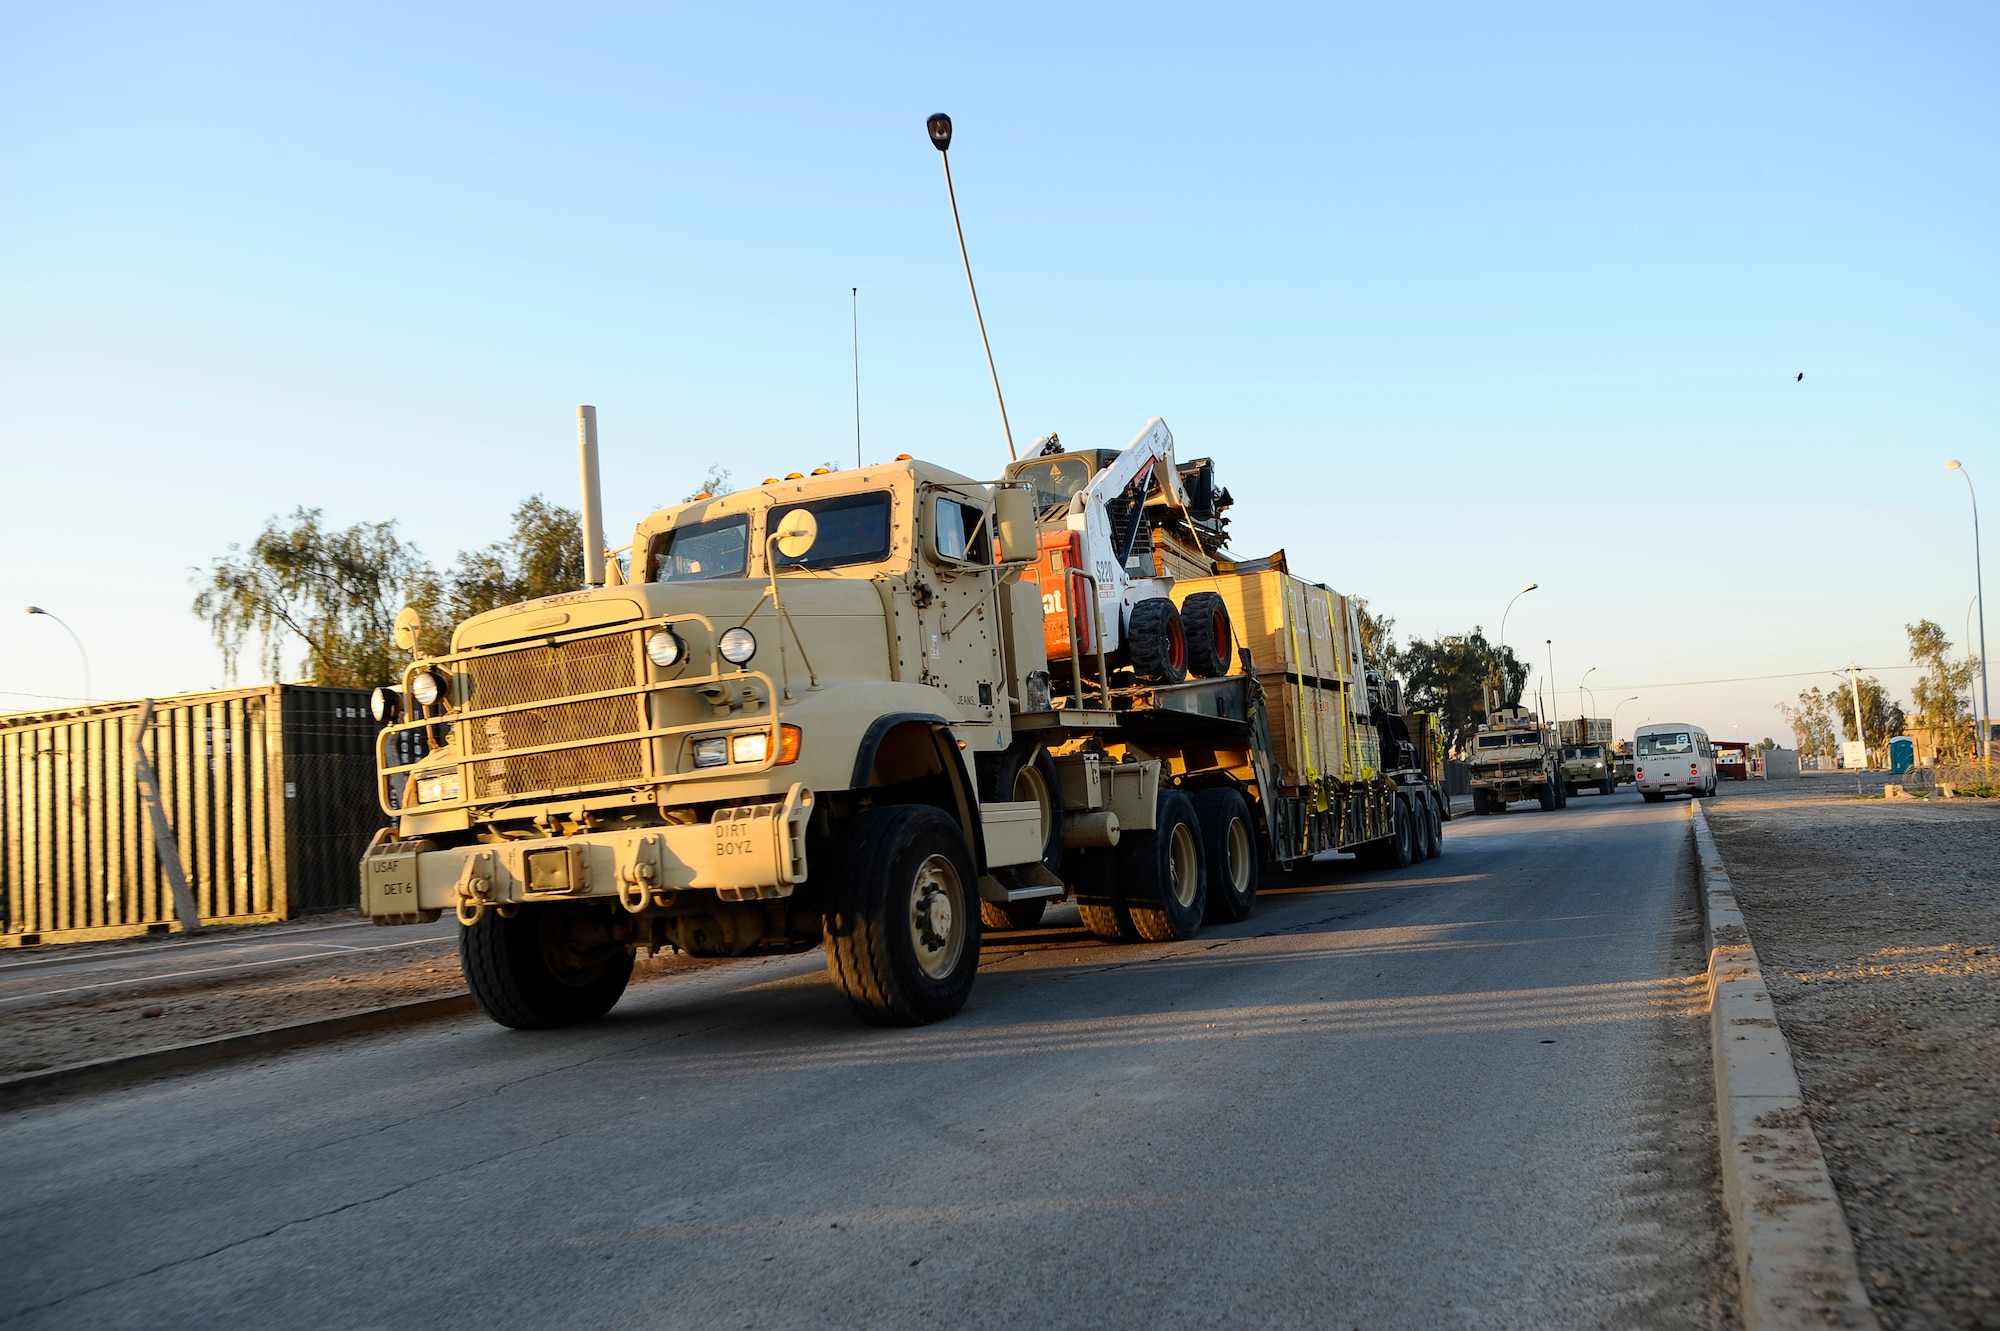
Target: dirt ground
(158,1016)
(1878,926)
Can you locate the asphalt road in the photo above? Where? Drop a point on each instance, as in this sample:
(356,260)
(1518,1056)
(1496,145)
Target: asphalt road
(1467,1094)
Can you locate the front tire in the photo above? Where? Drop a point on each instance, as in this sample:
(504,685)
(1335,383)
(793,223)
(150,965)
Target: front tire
(1156,642)
(551,965)
(902,941)
(1160,879)
(1230,840)
(1606,786)
(1210,640)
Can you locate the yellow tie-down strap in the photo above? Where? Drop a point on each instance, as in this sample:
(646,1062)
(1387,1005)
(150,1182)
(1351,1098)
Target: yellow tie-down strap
(746,853)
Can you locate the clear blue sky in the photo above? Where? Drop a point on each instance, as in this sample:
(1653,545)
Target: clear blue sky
(1458,300)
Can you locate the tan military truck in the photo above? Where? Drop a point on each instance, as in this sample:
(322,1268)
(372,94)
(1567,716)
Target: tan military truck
(1588,762)
(1514,756)
(818,712)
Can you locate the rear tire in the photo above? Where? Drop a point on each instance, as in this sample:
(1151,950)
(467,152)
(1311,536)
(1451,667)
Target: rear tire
(1651,796)
(1093,876)
(1480,804)
(1156,642)
(1014,915)
(551,965)
(1547,797)
(1435,817)
(1025,772)
(1210,640)
(1160,878)
(1229,839)
(902,940)
(1607,786)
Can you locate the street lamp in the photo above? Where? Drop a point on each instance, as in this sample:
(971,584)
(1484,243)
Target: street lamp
(1979,587)
(1551,644)
(1614,717)
(1581,689)
(1503,632)
(37,610)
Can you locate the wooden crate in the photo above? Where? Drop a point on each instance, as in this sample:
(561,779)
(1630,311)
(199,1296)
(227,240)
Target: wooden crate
(1291,627)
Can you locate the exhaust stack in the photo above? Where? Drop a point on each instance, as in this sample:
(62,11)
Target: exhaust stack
(593,497)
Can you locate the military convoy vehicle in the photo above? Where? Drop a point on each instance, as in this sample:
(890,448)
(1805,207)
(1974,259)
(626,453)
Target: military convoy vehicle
(878,711)
(1515,757)
(1588,762)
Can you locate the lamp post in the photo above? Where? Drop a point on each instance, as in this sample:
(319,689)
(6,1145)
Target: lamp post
(1972,700)
(1503,634)
(87,695)
(1550,644)
(1979,588)
(1614,716)
(1581,689)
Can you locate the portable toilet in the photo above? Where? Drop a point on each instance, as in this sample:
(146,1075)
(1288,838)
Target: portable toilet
(1902,754)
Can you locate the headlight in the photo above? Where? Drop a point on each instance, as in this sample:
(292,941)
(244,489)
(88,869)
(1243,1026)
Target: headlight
(665,647)
(385,704)
(437,788)
(737,645)
(427,687)
(711,752)
(749,748)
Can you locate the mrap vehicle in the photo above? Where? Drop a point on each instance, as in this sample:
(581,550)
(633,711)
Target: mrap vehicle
(1672,758)
(871,711)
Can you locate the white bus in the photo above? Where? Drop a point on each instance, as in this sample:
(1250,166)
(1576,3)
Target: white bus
(1672,758)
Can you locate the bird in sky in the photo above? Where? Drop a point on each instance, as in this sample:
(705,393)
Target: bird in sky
(1801,379)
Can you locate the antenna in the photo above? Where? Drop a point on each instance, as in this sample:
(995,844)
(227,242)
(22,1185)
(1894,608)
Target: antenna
(856,298)
(939,126)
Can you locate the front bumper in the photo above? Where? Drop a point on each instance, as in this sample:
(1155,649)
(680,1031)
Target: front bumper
(747,853)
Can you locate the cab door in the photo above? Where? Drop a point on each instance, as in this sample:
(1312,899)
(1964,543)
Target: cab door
(960,625)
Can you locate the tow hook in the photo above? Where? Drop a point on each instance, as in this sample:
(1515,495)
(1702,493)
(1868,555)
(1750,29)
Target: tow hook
(475,891)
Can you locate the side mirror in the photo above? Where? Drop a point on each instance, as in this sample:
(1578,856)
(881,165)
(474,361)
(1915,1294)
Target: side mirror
(408,621)
(796,532)
(1014,515)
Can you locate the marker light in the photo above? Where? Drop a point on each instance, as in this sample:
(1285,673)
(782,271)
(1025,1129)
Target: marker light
(665,647)
(426,687)
(788,745)
(737,645)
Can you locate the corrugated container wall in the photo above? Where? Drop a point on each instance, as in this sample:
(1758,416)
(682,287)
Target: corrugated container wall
(269,793)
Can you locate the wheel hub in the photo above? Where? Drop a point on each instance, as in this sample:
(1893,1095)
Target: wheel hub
(937,920)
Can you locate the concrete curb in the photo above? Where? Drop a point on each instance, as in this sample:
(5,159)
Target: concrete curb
(1794,1253)
(132,1066)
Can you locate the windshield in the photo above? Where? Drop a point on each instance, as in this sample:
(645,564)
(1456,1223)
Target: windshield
(713,549)
(1505,741)
(1665,744)
(1056,481)
(853,529)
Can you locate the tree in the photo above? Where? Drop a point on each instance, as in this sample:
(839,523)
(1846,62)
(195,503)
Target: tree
(1449,676)
(333,592)
(543,557)
(715,483)
(1812,723)
(1941,693)
(1378,635)
(1881,716)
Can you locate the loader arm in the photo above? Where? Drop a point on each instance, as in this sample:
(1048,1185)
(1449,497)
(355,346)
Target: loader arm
(1109,513)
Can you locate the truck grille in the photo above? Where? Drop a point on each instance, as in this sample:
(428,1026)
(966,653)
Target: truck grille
(536,674)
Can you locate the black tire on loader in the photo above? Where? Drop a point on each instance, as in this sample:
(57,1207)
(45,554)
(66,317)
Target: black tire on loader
(551,965)
(902,939)
(1229,839)
(1156,642)
(1161,882)
(1211,642)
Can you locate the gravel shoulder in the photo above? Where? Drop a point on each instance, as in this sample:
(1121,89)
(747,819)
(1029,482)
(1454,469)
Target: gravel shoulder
(1878,926)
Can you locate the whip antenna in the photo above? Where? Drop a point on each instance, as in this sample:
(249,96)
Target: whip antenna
(939,126)
(855,296)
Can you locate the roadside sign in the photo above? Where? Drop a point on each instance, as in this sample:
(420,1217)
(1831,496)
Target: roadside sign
(1854,754)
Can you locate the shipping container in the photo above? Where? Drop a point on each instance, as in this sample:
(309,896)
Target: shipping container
(269,793)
